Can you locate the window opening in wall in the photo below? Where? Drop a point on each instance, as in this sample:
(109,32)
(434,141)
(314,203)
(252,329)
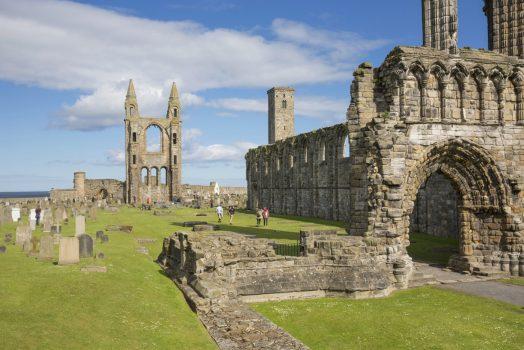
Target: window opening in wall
(323,152)
(284,104)
(174,159)
(145,176)
(134,137)
(266,167)
(134,159)
(305,155)
(163,176)
(153,139)
(174,138)
(278,164)
(154,176)
(345,151)
(291,161)
(175,112)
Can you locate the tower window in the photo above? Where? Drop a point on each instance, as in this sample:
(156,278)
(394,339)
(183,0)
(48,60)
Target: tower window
(134,137)
(134,159)
(174,138)
(291,161)
(174,159)
(284,104)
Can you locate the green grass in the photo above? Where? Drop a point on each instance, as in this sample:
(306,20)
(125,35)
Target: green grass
(517,281)
(433,249)
(422,318)
(132,306)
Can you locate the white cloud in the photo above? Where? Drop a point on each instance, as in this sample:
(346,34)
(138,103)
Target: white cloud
(66,45)
(196,152)
(115,157)
(319,107)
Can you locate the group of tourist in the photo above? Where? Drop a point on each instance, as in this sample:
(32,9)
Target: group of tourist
(261,214)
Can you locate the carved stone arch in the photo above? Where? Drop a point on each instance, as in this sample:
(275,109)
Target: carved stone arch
(514,106)
(479,74)
(483,194)
(498,79)
(469,166)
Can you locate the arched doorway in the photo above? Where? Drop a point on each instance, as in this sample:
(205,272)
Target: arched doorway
(103,194)
(482,201)
(435,221)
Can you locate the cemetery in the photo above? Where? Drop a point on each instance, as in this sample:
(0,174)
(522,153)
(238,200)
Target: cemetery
(400,227)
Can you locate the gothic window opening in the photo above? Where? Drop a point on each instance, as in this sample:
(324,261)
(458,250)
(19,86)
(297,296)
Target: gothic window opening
(284,104)
(154,176)
(153,139)
(174,159)
(345,149)
(134,159)
(134,137)
(174,138)
(145,176)
(163,176)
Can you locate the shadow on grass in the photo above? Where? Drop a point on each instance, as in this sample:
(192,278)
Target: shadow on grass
(309,220)
(431,249)
(259,232)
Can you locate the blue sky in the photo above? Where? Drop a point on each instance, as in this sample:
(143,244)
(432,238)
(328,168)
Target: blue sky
(64,67)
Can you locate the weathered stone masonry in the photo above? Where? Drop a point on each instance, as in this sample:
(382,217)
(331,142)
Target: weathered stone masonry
(423,111)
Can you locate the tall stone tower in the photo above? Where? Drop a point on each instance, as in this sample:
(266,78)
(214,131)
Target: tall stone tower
(440,24)
(505,26)
(281,113)
(152,175)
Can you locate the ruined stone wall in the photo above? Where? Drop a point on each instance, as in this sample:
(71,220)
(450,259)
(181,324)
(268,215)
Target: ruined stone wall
(228,265)
(109,189)
(435,211)
(306,175)
(505,26)
(423,111)
(202,196)
(90,190)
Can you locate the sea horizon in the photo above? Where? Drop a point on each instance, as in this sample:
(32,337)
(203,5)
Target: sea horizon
(24,194)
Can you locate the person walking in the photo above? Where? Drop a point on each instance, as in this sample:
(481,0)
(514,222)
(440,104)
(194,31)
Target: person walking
(259,216)
(220,213)
(265,216)
(38,211)
(231,212)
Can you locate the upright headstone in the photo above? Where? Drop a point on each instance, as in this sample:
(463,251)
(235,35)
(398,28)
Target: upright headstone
(92,213)
(23,233)
(35,243)
(99,234)
(80,225)
(15,214)
(46,247)
(69,251)
(104,239)
(56,228)
(48,219)
(3,249)
(85,246)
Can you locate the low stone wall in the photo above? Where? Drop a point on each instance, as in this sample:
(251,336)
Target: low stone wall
(228,266)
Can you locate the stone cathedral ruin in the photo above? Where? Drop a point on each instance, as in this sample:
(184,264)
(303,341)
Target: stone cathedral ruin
(434,139)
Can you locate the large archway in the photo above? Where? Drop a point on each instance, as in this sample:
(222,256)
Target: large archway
(481,193)
(435,221)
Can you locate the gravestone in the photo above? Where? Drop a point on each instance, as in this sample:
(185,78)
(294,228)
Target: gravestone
(15,214)
(99,234)
(69,251)
(55,229)
(46,247)
(80,225)
(105,239)
(35,242)
(3,249)
(85,246)
(101,255)
(47,223)
(32,224)
(26,246)
(8,237)
(23,233)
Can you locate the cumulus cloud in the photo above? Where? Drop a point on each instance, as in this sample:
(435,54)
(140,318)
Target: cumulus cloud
(195,152)
(67,45)
(115,157)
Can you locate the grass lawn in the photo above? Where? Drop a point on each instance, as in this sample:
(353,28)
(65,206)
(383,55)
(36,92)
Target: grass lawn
(433,249)
(422,318)
(132,306)
(518,281)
